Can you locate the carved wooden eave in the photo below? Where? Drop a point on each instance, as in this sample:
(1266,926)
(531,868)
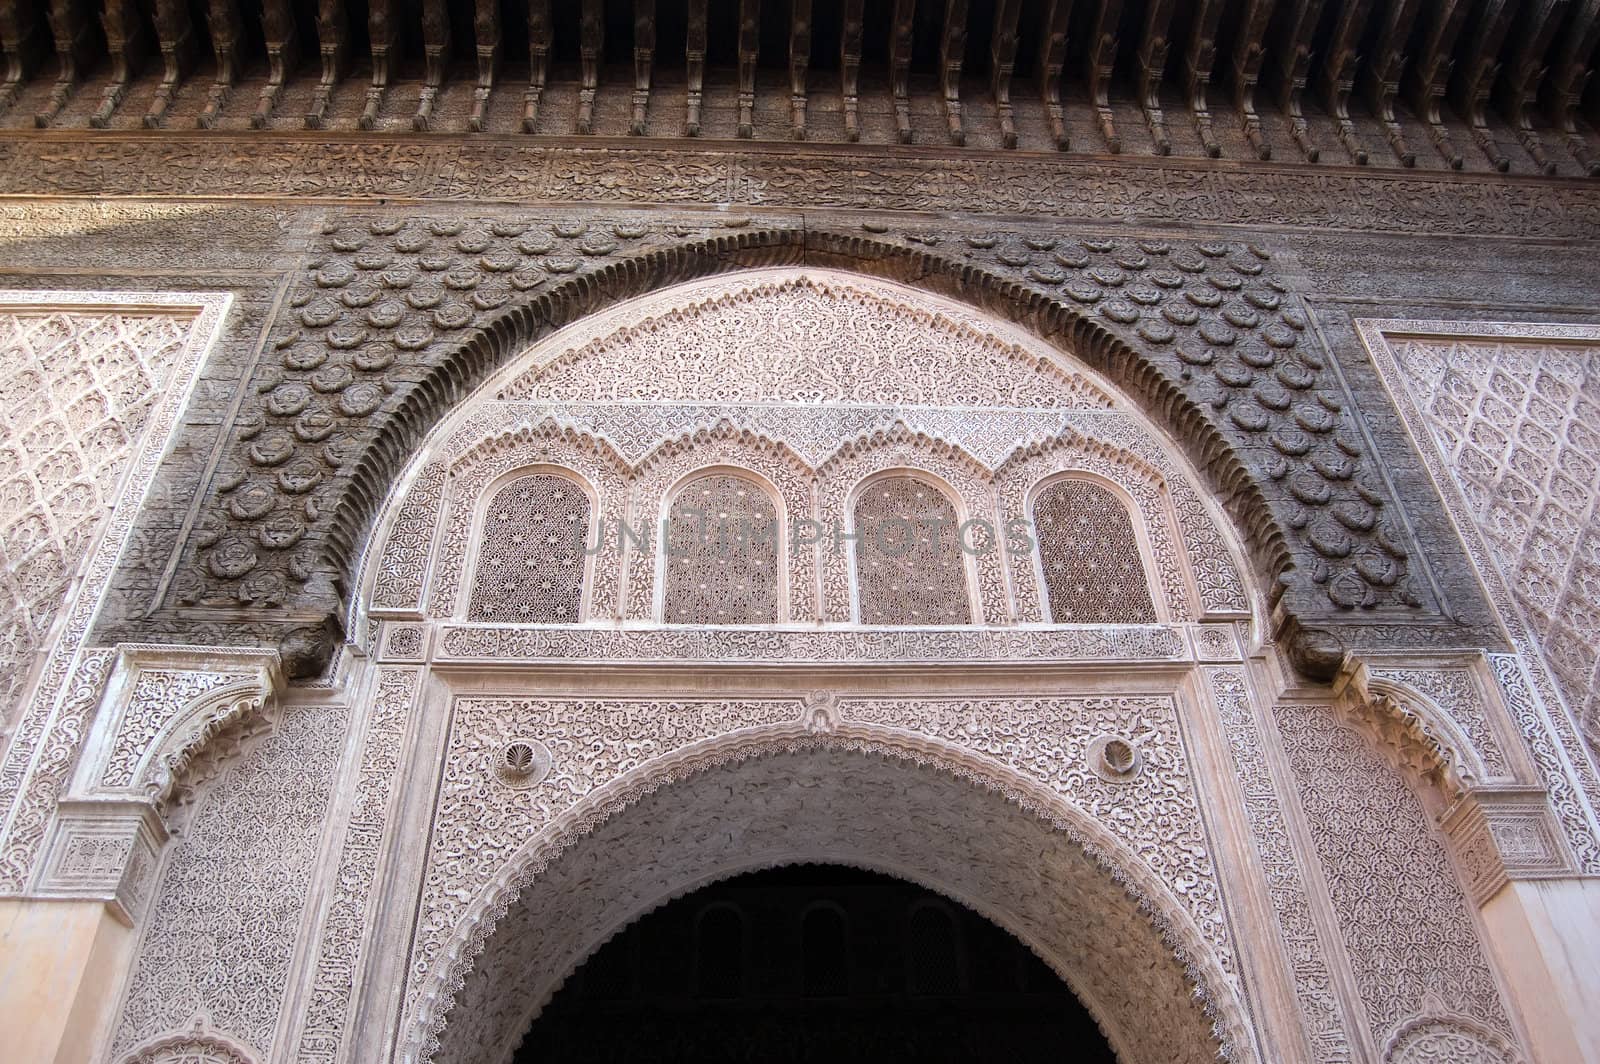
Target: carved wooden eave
(1463,53)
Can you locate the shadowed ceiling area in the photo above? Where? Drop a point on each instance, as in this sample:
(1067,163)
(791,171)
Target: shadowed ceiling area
(813,963)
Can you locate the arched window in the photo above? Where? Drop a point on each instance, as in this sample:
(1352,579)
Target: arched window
(722,553)
(908,556)
(825,952)
(719,952)
(1089,556)
(530,557)
(933,956)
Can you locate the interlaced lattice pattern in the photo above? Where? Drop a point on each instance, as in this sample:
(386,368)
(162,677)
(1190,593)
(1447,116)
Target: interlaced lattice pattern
(530,563)
(908,559)
(722,553)
(1092,571)
(1518,425)
(75,390)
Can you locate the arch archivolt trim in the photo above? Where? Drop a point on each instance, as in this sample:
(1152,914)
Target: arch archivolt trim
(439,968)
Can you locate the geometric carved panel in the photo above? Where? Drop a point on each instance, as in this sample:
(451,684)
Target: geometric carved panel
(908,560)
(1518,426)
(722,553)
(531,551)
(75,391)
(1092,570)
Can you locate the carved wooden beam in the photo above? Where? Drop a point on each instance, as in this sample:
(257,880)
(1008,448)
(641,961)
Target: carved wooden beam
(900,65)
(486,42)
(21,44)
(1248,55)
(333,40)
(749,45)
(1431,74)
(222,21)
(1002,62)
(695,60)
(1154,41)
(541,35)
(1537,24)
(125,44)
(1102,58)
(591,53)
(644,56)
(1198,63)
(1387,67)
(1574,63)
(278,29)
(175,35)
(1052,57)
(1339,73)
(952,54)
(1480,66)
(850,35)
(383,33)
(435,60)
(1294,67)
(69,25)
(22,40)
(799,63)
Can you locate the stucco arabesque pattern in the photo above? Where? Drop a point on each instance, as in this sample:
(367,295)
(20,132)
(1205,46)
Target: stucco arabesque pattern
(78,387)
(1537,701)
(385,300)
(1034,751)
(1325,1023)
(1409,935)
(823,442)
(247,861)
(53,720)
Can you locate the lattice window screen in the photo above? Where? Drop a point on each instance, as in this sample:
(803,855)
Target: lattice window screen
(530,562)
(908,560)
(722,553)
(1090,558)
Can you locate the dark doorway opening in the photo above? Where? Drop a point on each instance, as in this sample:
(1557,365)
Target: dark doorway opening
(814,963)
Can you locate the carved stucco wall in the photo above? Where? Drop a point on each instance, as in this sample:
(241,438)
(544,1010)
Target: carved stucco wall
(1408,930)
(226,918)
(825,799)
(76,391)
(1516,420)
(390,317)
(813,422)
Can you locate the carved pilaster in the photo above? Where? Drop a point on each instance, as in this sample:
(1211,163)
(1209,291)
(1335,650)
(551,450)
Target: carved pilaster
(105,850)
(1504,834)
